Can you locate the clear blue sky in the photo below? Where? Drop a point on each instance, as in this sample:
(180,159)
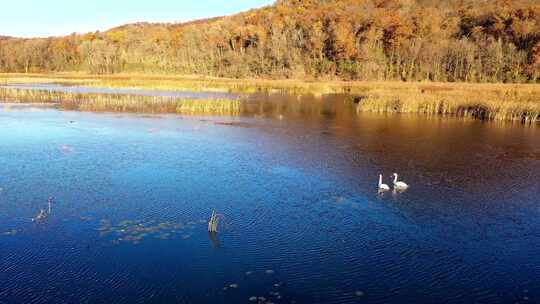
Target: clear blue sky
(42,18)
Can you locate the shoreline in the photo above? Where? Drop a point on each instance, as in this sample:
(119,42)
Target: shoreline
(483,101)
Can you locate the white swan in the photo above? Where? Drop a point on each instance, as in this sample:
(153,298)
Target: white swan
(399,185)
(382,187)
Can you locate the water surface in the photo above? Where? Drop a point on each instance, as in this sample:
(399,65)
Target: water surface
(303,220)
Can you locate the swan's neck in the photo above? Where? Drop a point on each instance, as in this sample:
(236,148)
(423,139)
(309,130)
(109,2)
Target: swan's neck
(395,178)
(380,180)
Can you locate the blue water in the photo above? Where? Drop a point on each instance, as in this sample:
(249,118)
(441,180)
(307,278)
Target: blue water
(303,222)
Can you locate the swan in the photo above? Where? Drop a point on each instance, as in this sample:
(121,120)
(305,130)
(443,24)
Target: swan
(399,185)
(50,202)
(382,187)
(41,216)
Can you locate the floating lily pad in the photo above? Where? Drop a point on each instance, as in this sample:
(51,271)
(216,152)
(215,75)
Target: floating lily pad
(11,232)
(135,231)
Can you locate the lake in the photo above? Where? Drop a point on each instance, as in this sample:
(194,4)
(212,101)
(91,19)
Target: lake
(302,220)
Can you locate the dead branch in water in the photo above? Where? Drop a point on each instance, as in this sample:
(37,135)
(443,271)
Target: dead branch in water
(214,221)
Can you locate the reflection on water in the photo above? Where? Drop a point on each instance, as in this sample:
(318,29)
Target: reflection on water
(305,222)
(258,104)
(214,239)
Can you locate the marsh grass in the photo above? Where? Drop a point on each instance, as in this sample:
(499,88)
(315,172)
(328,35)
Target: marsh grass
(180,83)
(122,102)
(501,102)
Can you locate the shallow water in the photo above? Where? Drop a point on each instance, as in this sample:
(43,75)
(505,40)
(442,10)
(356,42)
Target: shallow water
(303,220)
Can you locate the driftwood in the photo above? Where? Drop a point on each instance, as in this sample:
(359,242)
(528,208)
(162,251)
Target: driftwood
(213,223)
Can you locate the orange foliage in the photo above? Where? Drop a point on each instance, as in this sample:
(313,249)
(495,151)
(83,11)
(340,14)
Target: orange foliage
(465,40)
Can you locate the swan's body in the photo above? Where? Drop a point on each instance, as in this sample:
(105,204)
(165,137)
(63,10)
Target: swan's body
(41,216)
(399,185)
(382,187)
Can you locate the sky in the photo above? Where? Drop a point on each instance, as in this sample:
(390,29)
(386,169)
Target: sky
(43,18)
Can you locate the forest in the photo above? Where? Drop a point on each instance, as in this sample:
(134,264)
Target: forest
(403,40)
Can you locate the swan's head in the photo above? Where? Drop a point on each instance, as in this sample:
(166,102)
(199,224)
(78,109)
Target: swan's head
(395,174)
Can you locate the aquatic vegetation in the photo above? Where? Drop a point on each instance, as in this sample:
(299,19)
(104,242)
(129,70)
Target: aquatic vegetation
(273,293)
(122,102)
(134,231)
(501,102)
(484,102)
(359,293)
(339,199)
(217,106)
(11,232)
(184,83)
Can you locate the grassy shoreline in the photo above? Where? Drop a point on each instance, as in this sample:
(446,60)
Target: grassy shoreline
(122,102)
(501,102)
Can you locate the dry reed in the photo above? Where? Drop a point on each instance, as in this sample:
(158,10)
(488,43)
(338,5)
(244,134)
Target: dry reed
(122,102)
(488,103)
(510,102)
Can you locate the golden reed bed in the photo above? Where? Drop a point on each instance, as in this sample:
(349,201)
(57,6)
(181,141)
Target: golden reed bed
(503,102)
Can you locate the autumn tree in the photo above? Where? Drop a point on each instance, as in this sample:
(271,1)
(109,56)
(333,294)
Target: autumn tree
(406,40)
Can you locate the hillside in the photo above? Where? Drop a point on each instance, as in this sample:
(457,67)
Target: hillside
(408,40)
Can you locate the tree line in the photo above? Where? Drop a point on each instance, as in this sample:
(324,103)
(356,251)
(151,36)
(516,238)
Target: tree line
(407,40)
